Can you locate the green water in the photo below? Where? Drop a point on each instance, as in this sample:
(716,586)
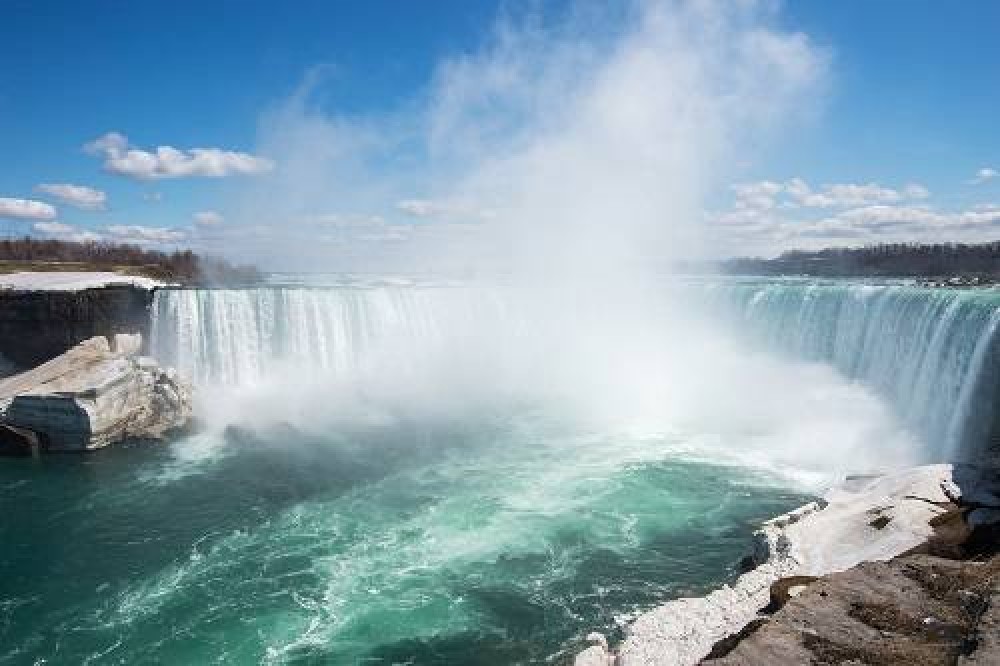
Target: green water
(488,541)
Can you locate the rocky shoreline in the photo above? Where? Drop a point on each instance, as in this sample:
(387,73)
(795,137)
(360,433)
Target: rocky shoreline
(866,522)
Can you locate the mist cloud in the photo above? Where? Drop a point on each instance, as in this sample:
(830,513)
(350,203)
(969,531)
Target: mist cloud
(556,147)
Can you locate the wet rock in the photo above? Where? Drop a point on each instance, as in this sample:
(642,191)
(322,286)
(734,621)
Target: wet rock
(597,654)
(92,396)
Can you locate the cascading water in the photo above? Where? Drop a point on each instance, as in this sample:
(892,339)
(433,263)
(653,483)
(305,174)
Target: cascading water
(232,336)
(470,475)
(930,353)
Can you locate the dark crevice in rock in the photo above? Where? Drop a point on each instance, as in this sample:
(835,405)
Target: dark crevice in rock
(880,522)
(727,644)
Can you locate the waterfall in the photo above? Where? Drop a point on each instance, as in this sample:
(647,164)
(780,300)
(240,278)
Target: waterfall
(232,336)
(930,353)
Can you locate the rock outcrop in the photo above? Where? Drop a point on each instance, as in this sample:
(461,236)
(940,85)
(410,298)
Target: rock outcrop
(93,395)
(914,609)
(43,316)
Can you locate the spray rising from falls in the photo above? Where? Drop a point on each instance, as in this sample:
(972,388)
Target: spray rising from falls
(929,354)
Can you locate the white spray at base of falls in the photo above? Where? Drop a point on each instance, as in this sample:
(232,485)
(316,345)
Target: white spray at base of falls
(326,355)
(930,353)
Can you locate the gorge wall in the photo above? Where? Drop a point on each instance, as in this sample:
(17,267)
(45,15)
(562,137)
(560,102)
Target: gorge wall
(38,325)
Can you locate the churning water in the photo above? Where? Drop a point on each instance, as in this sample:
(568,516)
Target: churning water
(453,475)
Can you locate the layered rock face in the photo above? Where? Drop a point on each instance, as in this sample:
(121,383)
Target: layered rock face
(37,325)
(93,395)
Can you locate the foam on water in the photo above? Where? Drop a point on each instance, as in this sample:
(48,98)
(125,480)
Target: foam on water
(424,475)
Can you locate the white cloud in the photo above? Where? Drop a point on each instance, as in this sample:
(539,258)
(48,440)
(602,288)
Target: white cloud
(766,194)
(984,175)
(391,233)
(140,234)
(66,232)
(757,196)
(80,196)
(26,209)
(155,197)
(340,228)
(428,208)
(53,228)
(746,231)
(418,207)
(915,191)
(208,218)
(169,162)
(85,237)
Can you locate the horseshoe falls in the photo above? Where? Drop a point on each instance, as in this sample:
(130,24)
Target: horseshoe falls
(929,353)
(475,475)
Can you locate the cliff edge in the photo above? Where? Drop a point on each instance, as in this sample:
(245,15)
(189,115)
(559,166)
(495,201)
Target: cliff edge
(42,314)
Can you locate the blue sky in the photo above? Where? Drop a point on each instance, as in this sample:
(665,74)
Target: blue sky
(905,94)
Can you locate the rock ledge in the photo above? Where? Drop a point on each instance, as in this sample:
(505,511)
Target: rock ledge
(91,396)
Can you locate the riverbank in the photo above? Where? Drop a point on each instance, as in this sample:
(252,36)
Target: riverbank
(869,519)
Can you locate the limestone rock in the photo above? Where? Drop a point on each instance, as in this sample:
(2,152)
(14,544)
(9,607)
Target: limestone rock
(597,654)
(915,609)
(91,396)
(871,518)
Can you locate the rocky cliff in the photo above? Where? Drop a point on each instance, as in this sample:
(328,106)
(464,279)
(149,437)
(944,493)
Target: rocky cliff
(36,326)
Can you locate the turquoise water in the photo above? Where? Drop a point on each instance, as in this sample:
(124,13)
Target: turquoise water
(496,541)
(394,474)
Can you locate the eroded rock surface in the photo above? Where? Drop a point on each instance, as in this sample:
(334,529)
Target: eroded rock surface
(93,395)
(915,609)
(870,518)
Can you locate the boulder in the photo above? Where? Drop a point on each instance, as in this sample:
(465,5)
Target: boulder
(92,396)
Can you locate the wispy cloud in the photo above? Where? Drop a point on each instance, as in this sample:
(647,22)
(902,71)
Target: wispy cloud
(444,210)
(169,162)
(26,209)
(797,192)
(141,234)
(53,228)
(984,175)
(208,218)
(768,217)
(80,196)
(67,232)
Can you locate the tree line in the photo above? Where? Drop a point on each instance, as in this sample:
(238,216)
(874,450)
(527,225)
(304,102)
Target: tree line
(182,266)
(882,260)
